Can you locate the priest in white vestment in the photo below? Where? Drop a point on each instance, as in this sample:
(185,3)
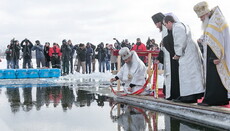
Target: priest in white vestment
(187,52)
(216,42)
(132,73)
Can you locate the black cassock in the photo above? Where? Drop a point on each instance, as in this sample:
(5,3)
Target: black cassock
(215,92)
(169,45)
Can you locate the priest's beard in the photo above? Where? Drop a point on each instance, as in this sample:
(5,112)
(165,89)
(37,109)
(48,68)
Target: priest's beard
(160,28)
(205,23)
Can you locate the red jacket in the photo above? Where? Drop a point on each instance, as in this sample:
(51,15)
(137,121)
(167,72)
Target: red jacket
(140,47)
(54,49)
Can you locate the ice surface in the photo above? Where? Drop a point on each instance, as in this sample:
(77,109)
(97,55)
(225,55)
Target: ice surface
(96,79)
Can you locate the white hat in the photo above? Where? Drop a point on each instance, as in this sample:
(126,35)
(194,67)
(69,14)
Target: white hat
(124,53)
(201,8)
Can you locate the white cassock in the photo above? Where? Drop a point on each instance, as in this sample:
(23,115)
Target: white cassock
(190,62)
(167,65)
(133,74)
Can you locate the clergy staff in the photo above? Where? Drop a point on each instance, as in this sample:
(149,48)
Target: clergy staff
(132,73)
(188,55)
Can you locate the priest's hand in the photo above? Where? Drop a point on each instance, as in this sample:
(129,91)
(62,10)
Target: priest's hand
(113,79)
(176,57)
(156,61)
(129,89)
(216,61)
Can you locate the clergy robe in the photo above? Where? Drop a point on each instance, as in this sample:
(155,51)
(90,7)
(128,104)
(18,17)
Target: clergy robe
(137,71)
(217,46)
(190,62)
(167,66)
(173,90)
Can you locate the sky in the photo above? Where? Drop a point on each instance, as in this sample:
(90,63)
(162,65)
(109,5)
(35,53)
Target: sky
(93,21)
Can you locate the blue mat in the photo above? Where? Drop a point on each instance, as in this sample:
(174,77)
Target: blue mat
(29,73)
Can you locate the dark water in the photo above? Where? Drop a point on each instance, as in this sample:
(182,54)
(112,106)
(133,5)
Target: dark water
(65,108)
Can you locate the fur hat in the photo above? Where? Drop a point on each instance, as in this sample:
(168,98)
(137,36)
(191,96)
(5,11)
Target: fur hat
(158,17)
(124,53)
(201,8)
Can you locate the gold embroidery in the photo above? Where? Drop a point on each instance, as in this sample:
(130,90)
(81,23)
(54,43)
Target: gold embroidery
(130,76)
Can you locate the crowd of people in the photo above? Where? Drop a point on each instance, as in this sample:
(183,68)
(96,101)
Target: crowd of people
(63,56)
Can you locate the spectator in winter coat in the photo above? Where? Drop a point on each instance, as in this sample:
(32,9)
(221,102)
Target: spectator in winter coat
(93,57)
(71,55)
(27,55)
(8,54)
(40,58)
(113,57)
(89,53)
(124,43)
(66,50)
(107,57)
(139,46)
(46,54)
(55,55)
(81,53)
(76,47)
(151,45)
(101,56)
(15,47)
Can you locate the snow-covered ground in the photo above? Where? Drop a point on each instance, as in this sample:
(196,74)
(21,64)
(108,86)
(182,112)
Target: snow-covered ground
(94,79)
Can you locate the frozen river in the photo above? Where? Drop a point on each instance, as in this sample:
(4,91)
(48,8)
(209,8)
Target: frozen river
(76,102)
(79,107)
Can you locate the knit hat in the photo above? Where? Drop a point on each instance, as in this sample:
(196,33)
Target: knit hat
(124,53)
(201,8)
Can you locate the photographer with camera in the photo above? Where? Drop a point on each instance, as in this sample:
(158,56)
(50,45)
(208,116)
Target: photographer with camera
(8,54)
(124,43)
(46,54)
(71,55)
(40,58)
(81,56)
(65,50)
(89,54)
(26,53)
(101,56)
(15,47)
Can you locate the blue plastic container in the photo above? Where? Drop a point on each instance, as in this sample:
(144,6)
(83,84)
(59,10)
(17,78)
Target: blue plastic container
(21,73)
(55,72)
(44,73)
(2,74)
(33,73)
(10,74)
